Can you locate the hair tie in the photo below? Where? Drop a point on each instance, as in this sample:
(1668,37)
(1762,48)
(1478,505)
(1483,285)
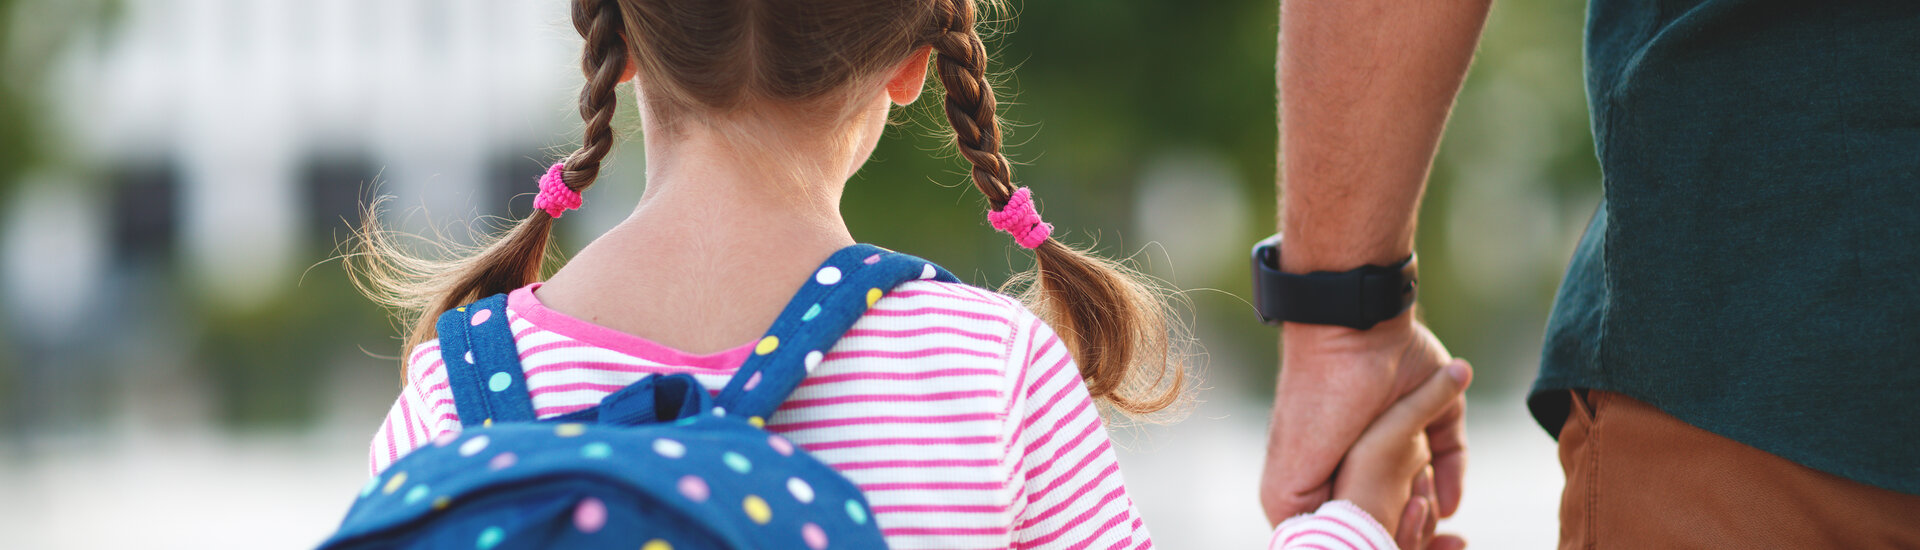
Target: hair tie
(555,197)
(1020,219)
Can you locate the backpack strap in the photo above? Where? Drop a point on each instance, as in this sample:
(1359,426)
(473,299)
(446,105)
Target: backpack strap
(483,365)
(826,306)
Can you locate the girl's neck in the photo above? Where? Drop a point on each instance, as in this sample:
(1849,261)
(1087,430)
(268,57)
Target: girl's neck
(722,236)
(733,194)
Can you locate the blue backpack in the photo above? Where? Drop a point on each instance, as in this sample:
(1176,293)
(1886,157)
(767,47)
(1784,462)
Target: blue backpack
(659,465)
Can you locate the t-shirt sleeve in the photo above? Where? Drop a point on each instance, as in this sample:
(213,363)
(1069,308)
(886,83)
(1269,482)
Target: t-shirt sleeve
(423,411)
(1337,524)
(1074,496)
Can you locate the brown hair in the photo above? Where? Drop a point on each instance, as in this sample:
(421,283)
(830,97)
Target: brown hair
(718,56)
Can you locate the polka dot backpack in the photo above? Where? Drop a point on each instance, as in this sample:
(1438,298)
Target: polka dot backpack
(659,465)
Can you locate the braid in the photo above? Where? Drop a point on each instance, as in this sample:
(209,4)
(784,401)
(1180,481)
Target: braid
(1116,321)
(516,258)
(970,105)
(603,59)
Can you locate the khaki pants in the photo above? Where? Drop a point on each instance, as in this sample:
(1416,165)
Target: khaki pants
(1638,478)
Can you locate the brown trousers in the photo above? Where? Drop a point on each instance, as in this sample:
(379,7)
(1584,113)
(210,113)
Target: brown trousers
(1638,478)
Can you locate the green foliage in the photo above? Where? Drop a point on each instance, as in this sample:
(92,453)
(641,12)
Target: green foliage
(267,364)
(18,108)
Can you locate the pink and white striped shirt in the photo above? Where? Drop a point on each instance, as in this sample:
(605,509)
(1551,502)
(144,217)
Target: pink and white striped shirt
(958,412)
(1337,525)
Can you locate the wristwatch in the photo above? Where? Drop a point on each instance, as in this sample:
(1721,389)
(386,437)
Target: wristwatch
(1356,299)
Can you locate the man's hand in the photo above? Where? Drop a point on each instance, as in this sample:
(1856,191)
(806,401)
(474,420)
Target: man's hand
(1333,382)
(1365,89)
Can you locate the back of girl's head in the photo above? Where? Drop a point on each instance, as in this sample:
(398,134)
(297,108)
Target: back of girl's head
(699,61)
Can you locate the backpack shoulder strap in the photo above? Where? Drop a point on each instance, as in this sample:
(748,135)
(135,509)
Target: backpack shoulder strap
(483,365)
(826,306)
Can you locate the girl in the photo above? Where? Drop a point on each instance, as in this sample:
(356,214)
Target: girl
(966,418)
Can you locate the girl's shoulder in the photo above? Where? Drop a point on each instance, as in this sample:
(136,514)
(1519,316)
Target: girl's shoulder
(952,305)
(424,363)
(956,315)
(961,296)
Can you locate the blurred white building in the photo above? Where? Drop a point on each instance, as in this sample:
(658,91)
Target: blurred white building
(234,134)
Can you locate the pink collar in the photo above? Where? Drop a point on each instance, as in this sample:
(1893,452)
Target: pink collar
(524,303)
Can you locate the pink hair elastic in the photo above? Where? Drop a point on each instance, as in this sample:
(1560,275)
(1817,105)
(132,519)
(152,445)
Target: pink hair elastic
(555,197)
(1020,219)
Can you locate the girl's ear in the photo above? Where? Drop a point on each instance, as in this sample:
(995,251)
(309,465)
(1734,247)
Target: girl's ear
(627,74)
(904,85)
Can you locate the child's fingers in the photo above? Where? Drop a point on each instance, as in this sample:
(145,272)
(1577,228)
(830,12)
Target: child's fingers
(1413,521)
(1414,411)
(1431,520)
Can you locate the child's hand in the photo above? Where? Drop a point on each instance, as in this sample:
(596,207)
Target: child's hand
(1387,472)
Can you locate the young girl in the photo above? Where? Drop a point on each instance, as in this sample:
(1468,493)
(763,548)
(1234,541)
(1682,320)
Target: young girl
(967,419)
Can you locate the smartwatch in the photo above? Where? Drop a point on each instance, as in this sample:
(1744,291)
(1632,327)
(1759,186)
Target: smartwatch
(1356,299)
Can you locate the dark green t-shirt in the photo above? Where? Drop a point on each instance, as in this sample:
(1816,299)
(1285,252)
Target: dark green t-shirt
(1755,267)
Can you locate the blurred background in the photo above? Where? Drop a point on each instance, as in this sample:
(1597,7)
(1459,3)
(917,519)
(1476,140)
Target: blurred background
(183,364)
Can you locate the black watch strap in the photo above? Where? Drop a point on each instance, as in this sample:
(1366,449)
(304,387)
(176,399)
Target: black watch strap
(1356,299)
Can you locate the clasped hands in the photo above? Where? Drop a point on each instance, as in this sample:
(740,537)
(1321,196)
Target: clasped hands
(1374,417)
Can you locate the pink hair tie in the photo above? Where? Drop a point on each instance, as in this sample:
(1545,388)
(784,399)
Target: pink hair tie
(555,197)
(1020,219)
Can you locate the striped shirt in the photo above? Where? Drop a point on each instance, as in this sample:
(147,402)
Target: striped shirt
(1336,525)
(957,411)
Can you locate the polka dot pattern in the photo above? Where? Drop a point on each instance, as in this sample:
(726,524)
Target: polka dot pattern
(590,515)
(502,461)
(701,463)
(757,509)
(475,445)
(596,450)
(489,538)
(736,462)
(828,275)
(669,448)
(801,490)
(856,512)
(694,488)
(815,537)
(417,494)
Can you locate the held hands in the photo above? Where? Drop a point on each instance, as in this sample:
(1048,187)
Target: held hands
(1388,471)
(1334,382)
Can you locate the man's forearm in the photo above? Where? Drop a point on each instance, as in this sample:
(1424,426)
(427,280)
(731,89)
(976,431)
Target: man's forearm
(1365,88)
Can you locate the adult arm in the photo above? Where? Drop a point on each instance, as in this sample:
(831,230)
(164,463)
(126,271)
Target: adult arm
(1365,89)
